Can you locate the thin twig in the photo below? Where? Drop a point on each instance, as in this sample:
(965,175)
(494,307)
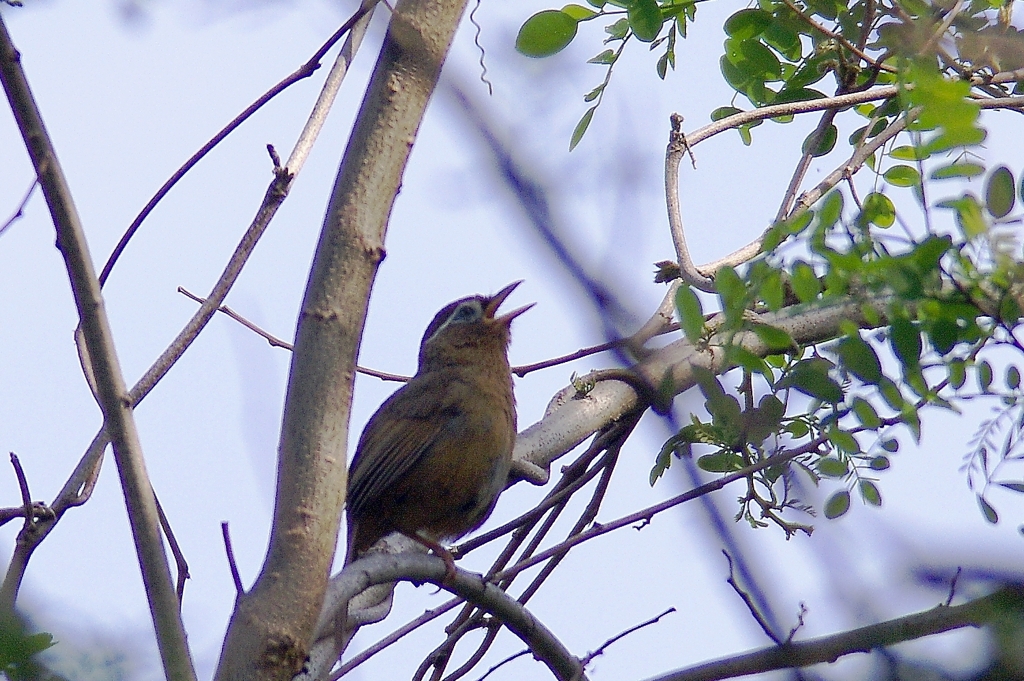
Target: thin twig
(304,71)
(112,392)
(394,637)
(232,565)
(604,646)
(521,371)
(20,210)
(278,343)
(805,162)
(748,601)
(26,497)
(677,146)
(508,659)
(179,556)
(952,585)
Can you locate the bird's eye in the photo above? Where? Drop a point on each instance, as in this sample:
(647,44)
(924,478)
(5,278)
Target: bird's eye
(467,312)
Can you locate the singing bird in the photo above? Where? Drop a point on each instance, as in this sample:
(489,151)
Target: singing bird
(434,457)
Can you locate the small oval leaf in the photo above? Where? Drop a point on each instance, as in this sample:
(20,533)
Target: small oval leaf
(999,192)
(546,33)
(837,505)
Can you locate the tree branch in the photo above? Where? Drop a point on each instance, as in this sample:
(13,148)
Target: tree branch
(271,630)
(112,391)
(359,18)
(416,567)
(830,648)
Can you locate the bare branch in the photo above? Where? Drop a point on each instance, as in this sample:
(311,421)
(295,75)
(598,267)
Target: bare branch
(179,556)
(862,640)
(113,393)
(677,145)
(383,569)
(621,635)
(278,343)
(20,210)
(230,553)
(749,602)
(306,139)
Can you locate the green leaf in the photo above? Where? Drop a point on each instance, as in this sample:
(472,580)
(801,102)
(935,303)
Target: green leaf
(805,282)
(723,461)
(968,215)
(831,209)
(747,23)
(902,176)
(891,445)
(691,313)
(866,413)
(724,112)
(645,19)
(987,510)
(999,192)
(869,492)
(579,12)
(606,57)
(581,127)
(958,170)
(879,463)
(906,153)
(1014,486)
(546,33)
(837,505)
(833,467)
(906,342)
(860,359)
(844,441)
(957,373)
(775,338)
(1012,377)
(984,376)
(618,30)
(810,376)
(733,293)
(824,144)
(878,210)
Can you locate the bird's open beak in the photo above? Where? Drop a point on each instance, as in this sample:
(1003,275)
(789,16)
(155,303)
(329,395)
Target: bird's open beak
(495,301)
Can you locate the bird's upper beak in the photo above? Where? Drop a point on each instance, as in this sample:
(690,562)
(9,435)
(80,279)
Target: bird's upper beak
(495,301)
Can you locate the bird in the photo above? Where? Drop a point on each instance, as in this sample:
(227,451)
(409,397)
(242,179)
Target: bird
(433,458)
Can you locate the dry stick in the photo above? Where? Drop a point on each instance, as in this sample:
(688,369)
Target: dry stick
(749,602)
(621,635)
(805,162)
(26,497)
(20,210)
(112,393)
(179,556)
(304,71)
(520,371)
(513,656)
(232,565)
(394,637)
(830,648)
(677,145)
(278,343)
(80,484)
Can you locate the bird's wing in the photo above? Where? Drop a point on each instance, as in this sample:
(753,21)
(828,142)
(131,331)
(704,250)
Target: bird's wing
(397,437)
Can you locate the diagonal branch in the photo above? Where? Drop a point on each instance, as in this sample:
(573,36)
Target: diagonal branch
(112,392)
(941,618)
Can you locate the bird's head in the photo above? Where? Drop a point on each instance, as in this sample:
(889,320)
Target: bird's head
(467,330)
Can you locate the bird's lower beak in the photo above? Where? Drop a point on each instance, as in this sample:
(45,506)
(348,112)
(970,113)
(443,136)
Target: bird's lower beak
(495,301)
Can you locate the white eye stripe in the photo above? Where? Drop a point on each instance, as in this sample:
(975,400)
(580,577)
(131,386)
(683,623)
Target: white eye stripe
(466,312)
